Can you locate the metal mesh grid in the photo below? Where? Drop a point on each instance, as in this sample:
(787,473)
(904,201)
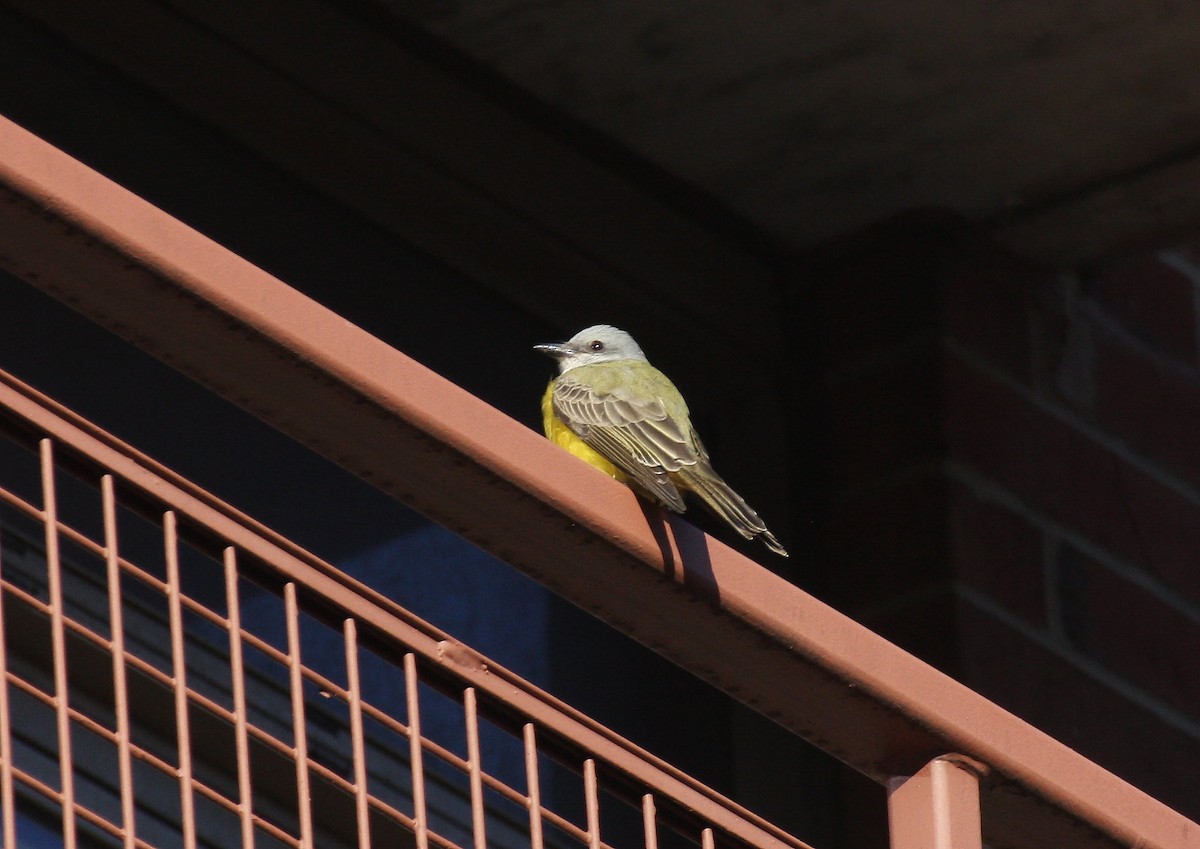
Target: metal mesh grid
(174,674)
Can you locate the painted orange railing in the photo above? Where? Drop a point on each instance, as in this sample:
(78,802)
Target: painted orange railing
(956,763)
(270,743)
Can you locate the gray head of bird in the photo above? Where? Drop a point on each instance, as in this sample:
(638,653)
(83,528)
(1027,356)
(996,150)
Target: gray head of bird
(602,343)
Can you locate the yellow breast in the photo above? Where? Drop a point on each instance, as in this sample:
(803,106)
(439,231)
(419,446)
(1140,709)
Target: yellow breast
(562,436)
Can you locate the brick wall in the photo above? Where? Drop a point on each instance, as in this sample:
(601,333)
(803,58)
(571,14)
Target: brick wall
(1012,479)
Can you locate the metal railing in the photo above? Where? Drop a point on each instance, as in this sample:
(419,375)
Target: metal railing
(955,763)
(220,727)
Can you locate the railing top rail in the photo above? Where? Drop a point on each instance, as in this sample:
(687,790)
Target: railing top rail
(334,387)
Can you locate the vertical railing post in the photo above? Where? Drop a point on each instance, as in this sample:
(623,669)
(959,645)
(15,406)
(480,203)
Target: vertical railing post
(938,808)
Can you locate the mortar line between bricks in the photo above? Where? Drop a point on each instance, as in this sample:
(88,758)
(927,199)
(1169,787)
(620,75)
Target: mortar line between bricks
(1051,572)
(1164,712)
(1109,443)
(1179,261)
(1110,324)
(991,491)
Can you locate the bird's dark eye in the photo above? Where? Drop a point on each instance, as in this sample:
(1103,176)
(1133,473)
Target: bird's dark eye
(596,345)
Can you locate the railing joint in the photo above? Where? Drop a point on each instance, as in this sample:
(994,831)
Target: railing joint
(938,807)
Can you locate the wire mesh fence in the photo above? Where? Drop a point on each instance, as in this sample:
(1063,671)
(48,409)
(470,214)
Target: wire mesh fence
(175,675)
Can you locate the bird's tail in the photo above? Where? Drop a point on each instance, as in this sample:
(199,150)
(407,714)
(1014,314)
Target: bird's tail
(722,500)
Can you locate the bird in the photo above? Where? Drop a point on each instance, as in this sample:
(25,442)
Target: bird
(609,407)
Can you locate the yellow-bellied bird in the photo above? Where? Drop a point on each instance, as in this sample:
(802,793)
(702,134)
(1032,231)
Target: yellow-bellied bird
(610,407)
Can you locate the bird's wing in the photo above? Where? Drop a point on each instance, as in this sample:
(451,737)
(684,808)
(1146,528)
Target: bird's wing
(632,430)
